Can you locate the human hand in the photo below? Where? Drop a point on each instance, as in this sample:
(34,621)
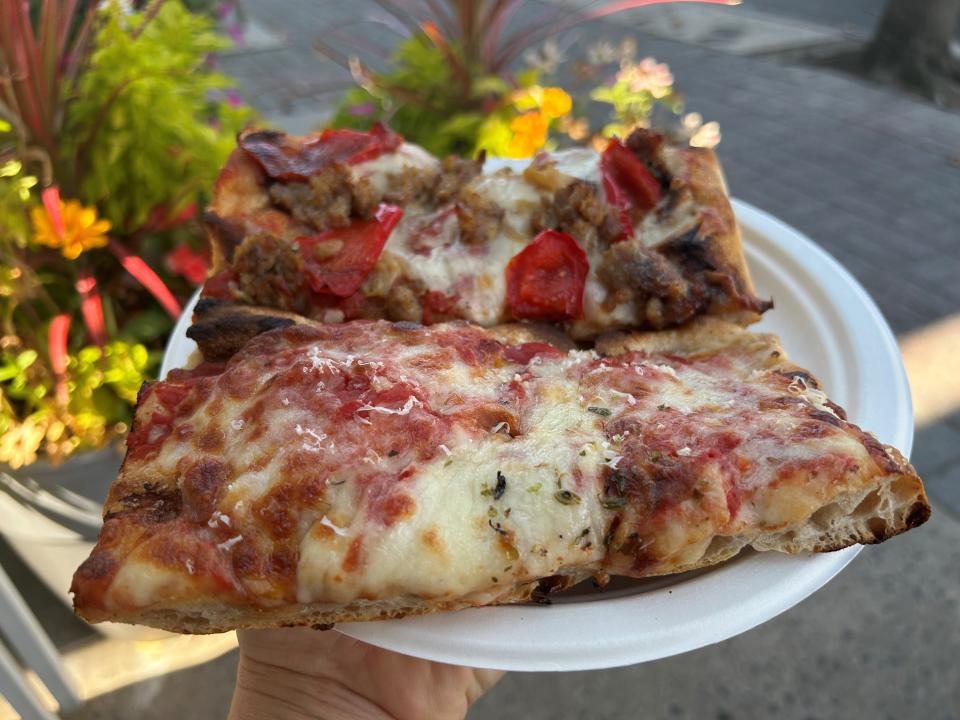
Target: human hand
(301,674)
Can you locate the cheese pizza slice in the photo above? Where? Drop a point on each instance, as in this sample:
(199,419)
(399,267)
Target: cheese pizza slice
(342,225)
(366,470)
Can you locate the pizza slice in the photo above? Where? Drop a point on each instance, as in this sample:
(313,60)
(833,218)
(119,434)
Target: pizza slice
(364,470)
(342,225)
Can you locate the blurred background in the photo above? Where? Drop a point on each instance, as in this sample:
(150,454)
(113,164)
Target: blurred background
(840,118)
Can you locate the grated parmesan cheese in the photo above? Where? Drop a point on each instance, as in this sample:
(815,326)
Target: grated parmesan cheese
(667,370)
(684,452)
(405,410)
(227,544)
(612,462)
(325,521)
(380,383)
(316,361)
(372,457)
(797,385)
(218,517)
(315,438)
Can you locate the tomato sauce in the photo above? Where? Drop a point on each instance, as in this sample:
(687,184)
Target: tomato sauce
(171,399)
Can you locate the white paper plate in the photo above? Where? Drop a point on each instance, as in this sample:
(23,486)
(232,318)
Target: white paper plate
(828,325)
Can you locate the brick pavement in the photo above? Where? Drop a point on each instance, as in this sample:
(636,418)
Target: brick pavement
(871,175)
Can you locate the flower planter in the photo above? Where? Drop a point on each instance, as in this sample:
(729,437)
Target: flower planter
(50,515)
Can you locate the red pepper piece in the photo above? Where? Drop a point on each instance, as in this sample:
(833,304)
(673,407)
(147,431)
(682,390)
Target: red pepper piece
(545,280)
(341,269)
(627,183)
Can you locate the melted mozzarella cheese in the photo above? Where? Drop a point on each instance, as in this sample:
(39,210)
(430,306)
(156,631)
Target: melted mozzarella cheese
(463,539)
(482,509)
(474,275)
(518,198)
(380,170)
(581,163)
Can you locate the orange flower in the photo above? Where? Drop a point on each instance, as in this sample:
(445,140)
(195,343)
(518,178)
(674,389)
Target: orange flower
(555,103)
(529,134)
(82,230)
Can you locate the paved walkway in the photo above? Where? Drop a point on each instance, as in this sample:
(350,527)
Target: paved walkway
(874,177)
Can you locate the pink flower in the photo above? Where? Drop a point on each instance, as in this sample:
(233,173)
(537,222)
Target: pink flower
(647,76)
(235,32)
(188,264)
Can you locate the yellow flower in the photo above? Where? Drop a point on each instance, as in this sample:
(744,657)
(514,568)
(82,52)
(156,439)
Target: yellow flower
(529,134)
(82,230)
(555,103)
(20,442)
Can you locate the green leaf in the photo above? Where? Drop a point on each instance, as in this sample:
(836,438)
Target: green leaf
(26,358)
(528,77)
(149,128)
(147,326)
(491,85)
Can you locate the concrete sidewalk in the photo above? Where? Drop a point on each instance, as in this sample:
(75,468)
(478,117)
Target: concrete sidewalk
(874,177)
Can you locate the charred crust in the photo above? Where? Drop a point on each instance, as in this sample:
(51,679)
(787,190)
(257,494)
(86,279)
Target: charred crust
(691,251)
(825,417)
(756,304)
(207,305)
(322,627)
(224,236)
(918,515)
(223,328)
(154,504)
(802,375)
(268,136)
(879,454)
(784,402)
(696,253)
(839,411)
(541,593)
